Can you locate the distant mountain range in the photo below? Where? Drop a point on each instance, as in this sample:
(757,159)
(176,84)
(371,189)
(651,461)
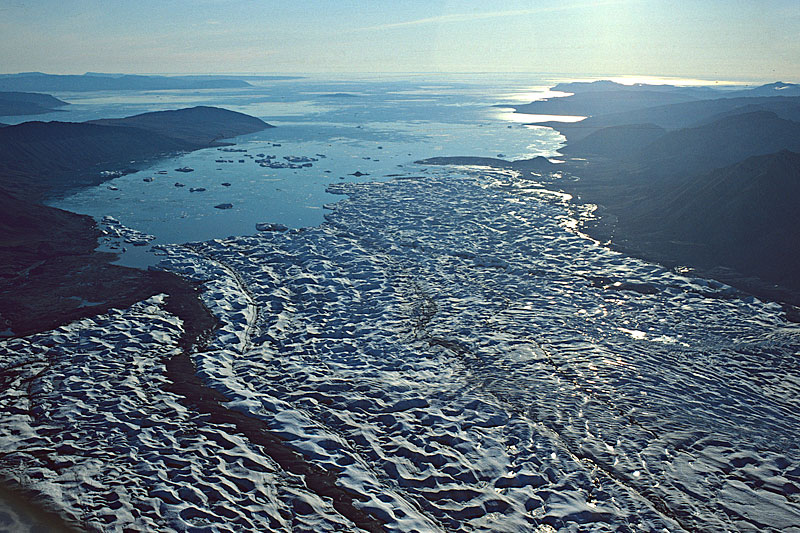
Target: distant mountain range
(601,102)
(92,81)
(717,143)
(608,104)
(682,115)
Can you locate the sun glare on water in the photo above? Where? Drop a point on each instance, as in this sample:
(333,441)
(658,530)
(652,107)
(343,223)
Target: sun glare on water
(661,80)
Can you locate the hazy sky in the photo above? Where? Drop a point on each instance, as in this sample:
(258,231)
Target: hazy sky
(712,39)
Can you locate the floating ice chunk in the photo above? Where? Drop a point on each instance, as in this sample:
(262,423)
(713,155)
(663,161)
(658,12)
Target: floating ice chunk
(266,226)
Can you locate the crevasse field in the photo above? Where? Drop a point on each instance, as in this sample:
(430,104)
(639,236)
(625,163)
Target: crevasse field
(441,340)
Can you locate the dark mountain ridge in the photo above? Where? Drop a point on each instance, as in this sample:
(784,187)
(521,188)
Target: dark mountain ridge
(720,143)
(602,102)
(200,124)
(577,87)
(777,88)
(55,156)
(682,115)
(720,196)
(743,216)
(37,81)
(14,103)
(616,141)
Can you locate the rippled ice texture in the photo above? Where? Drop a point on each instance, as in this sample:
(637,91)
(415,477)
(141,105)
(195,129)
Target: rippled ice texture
(442,344)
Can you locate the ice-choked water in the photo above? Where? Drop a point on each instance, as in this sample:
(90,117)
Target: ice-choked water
(454,352)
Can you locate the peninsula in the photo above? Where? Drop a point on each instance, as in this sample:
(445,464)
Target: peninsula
(14,103)
(50,273)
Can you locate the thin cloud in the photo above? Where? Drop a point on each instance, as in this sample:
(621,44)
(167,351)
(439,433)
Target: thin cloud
(465,17)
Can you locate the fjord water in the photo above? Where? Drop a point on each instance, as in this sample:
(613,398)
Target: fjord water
(375,127)
(441,339)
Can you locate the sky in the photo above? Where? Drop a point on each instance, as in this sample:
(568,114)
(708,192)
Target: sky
(708,39)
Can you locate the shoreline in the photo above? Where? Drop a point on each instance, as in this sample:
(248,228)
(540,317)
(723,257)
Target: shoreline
(601,228)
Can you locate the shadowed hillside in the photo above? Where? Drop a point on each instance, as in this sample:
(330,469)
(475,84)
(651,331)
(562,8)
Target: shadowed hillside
(720,143)
(709,183)
(49,271)
(197,125)
(683,115)
(616,141)
(601,102)
(37,81)
(42,156)
(658,153)
(743,216)
(18,103)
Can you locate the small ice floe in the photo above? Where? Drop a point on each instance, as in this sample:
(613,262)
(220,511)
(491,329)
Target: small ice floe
(634,333)
(162,172)
(223,206)
(111,173)
(148,179)
(112,188)
(179,184)
(116,232)
(299,159)
(197,189)
(225,184)
(266,226)
(184,169)
(293,161)
(358,174)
